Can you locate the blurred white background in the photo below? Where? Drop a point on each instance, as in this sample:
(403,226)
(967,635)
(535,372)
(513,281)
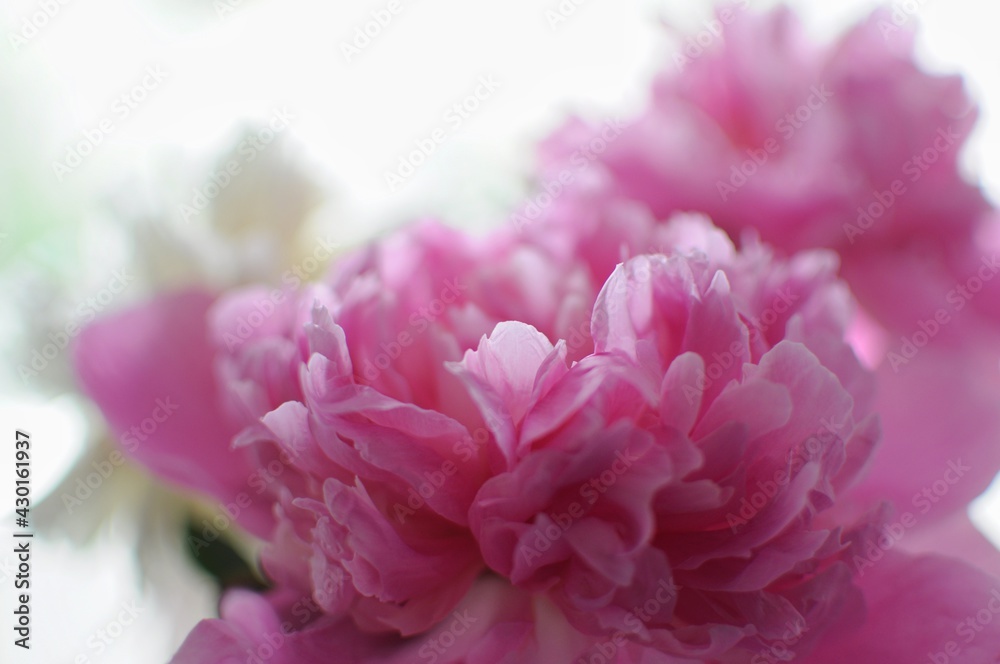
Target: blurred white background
(227,64)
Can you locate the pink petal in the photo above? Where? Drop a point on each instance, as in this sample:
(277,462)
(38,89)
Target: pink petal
(153,362)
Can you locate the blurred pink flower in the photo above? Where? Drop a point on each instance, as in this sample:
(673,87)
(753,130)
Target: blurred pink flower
(150,370)
(849,146)
(770,130)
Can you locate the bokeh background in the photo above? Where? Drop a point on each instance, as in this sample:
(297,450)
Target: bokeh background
(114,116)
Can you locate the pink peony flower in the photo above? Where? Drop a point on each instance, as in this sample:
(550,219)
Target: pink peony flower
(150,370)
(604,435)
(848,146)
(767,129)
(673,491)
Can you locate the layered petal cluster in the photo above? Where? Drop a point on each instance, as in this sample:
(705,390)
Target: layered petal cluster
(850,146)
(688,466)
(671,488)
